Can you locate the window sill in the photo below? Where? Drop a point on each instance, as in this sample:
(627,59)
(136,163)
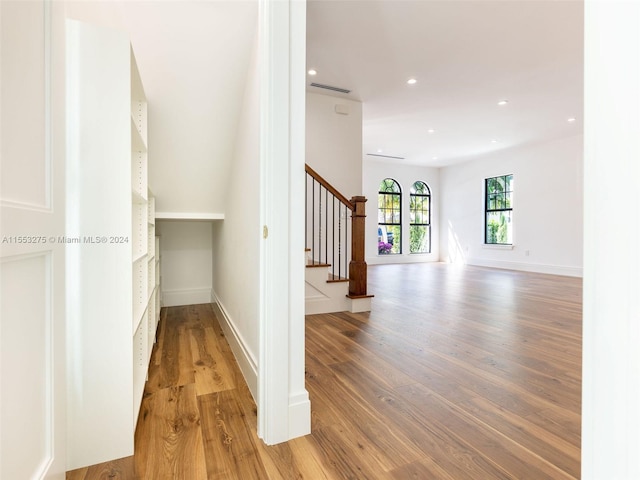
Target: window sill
(497,246)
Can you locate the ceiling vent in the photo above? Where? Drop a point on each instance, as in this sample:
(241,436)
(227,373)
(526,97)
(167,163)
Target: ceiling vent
(385,156)
(329,87)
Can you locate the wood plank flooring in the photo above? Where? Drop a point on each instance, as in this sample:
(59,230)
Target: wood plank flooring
(457,373)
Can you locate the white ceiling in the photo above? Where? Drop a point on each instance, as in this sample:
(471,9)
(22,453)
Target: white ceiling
(466,56)
(193,57)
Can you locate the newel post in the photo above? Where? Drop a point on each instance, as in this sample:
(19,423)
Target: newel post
(357,266)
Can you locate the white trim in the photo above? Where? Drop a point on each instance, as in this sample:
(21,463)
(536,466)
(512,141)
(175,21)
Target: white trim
(497,246)
(299,414)
(48,113)
(282,30)
(564,270)
(402,258)
(360,305)
(190,296)
(611,306)
(246,360)
(48,425)
(299,404)
(273,366)
(189,216)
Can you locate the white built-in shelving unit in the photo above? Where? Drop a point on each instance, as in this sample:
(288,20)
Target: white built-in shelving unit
(112,305)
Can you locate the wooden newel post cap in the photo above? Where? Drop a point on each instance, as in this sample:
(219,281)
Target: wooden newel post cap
(358,205)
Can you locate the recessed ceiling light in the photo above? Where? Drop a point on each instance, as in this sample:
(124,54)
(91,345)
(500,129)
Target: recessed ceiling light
(502,103)
(431,130)
(412,81)
(379,150)
(494,141)
(312,71)
(434,158)
(571,119)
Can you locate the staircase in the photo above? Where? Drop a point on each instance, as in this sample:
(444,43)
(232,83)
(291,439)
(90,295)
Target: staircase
(336,273)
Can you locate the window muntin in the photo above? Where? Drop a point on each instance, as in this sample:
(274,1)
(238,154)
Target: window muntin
(420,218)
(498,226)
(389,217)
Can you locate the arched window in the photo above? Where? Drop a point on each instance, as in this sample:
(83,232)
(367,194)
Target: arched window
(420,214)
(389,217)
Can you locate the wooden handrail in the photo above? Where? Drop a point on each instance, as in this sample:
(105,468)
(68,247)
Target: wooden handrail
(357,266)
(329,187)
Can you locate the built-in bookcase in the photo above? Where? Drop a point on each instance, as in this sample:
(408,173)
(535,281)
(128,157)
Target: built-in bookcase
(113,308)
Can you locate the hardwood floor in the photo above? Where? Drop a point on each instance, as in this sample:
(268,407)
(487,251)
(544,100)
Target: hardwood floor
(457,373)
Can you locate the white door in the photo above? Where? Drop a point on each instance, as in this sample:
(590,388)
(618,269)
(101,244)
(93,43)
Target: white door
(32,356)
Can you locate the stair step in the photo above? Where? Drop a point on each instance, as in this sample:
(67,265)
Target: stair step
(337,280)
(317,265)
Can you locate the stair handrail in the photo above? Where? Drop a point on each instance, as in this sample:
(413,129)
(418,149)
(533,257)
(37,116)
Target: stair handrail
(329,187)
(357,264)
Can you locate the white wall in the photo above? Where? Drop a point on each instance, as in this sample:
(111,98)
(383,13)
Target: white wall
(334,142)
(611,353)
(192,56)
(194,96)
(406,175)
(547,215)
(236,248)
(185,262)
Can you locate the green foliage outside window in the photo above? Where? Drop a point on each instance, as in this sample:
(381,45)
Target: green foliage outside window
(420,213)
(389,216)
(418,239)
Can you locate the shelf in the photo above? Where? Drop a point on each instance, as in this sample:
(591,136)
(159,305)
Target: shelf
(139,256)
(151,326)
(136,197)
(189,216)
(139,229)
(138,144)
(138,100)
(139,290)
(116,283)
(138,321)
(139,174)
(151,217)
(151,244)
(151,278)
(140,364)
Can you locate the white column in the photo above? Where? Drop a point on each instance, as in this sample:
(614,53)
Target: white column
(611,358)
(283,405)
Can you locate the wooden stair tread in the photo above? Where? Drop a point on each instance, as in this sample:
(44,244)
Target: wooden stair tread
(316,265)
(355,297)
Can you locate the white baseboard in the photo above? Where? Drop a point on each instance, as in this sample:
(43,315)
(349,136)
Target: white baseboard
(299,415)
(176,298)
(299,403)
(246,361)
(527,267)
(360,305)
(403,258)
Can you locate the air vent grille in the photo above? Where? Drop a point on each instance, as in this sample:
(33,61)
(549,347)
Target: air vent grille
(385,156)
(329,87)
